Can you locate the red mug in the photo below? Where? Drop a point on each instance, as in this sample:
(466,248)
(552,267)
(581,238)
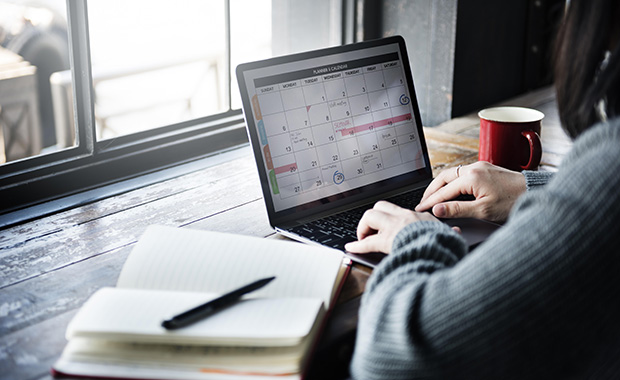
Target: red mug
(510,137)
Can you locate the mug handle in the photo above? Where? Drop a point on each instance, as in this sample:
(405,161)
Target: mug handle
(535,150)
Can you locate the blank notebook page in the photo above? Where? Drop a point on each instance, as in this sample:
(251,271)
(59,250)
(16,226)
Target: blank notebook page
(169,258)
(136,315)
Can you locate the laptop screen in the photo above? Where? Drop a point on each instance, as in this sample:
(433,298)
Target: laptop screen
(330,124)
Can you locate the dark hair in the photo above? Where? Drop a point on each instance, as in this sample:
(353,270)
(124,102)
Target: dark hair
(590,29)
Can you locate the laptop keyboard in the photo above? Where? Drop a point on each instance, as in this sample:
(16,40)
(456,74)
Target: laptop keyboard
(338,229)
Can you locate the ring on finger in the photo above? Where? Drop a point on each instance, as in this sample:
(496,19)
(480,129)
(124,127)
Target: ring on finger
(458,169)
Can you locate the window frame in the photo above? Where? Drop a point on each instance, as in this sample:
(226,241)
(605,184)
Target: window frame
(91,163)
(45,184)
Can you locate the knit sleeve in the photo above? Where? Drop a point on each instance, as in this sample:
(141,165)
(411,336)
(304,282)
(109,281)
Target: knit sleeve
(538,299)
(534,179)
(389,334)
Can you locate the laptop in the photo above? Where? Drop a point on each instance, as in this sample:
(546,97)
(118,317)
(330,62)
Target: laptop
(333,131)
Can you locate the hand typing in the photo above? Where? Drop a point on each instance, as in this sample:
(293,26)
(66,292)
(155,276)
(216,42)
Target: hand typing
(496,189)
(378,227)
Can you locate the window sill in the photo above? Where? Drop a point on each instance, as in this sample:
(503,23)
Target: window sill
(78,186)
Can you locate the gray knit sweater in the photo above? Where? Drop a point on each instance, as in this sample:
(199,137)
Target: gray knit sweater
(539,299)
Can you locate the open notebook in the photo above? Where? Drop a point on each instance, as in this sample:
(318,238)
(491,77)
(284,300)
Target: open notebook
(270,332)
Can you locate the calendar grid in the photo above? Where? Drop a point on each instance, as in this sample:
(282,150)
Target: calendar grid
(334,129)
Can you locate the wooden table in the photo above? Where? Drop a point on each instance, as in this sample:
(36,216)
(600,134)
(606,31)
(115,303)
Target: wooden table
(51,265)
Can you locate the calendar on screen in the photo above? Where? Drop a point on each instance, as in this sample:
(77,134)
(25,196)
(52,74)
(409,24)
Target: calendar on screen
(331,124)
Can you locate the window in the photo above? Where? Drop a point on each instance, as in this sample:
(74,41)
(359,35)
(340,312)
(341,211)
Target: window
(33,46)
(95,92)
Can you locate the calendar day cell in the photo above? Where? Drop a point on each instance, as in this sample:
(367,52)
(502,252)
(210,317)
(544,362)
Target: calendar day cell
(297,118)
(285,164)
(306,160)
(319,113)
(391,157)
(371,162)
(352,168)
(393,77)
(378,100)
(275,124)
(293,98)
(328,153)
(280,145)
(323,134)
(398,95)
(289,186)
(311,179)
(382,119)
(410,151)
(332,174)
(387,138)
(359,104)
(368,143)
(355,85)
(334,89)
(314,93)
(401,114)
(406,130)
(348,148)
(339,109)
(302,139)
(270,102)
(363,124)
(374,81)
(344,129)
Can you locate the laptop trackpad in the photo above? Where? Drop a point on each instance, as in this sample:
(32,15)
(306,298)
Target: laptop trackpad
(474,231)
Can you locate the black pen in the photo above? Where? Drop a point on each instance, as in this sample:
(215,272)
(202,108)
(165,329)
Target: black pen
(200,312)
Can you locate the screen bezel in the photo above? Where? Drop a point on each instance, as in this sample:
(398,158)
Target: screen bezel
(349,197)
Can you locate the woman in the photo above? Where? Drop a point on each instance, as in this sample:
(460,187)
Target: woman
(540,298)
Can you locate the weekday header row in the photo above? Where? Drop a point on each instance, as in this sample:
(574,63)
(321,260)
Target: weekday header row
(325,73)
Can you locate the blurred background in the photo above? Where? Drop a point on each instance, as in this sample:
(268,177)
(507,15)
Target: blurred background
(154,63)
